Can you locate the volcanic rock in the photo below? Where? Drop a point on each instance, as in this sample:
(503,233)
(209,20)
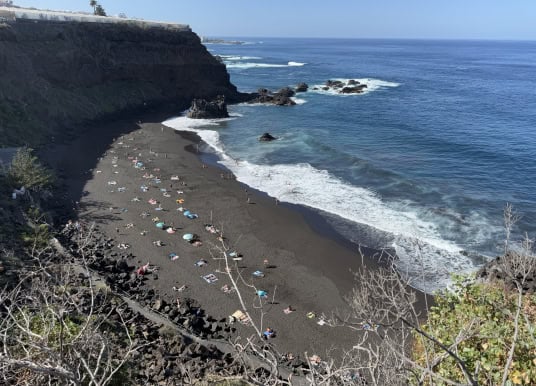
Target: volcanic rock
(267,137)
(203,109)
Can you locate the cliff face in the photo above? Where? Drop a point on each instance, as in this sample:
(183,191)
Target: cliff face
(60,75)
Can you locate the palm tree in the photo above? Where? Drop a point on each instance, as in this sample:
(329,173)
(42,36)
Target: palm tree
(93,3)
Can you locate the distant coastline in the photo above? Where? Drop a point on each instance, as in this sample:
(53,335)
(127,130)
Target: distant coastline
(206,40)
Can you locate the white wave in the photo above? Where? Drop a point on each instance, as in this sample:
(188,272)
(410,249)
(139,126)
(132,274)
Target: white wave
(246,65)
(235,57)
(372,85)
(298,101)
(424,254)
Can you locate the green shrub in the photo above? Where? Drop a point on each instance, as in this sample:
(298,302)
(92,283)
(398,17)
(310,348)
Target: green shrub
(483,314)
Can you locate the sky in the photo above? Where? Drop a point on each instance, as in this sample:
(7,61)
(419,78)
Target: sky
(413,19)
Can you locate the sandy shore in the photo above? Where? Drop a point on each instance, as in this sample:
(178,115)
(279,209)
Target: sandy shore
(308,270)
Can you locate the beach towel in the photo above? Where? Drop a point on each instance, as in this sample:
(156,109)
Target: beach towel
(189,214)
(174,178)
(152,201)
(258,274)
(201,263)
(210,278)
(240,316)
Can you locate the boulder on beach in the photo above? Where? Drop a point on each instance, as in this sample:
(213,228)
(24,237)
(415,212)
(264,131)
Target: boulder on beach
(267,137)
(203,109)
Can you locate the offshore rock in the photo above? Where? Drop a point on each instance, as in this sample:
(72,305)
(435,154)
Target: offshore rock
(202,109)
(267,137)
(279,98)
(302,87)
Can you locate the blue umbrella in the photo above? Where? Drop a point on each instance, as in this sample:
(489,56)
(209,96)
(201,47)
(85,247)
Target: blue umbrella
(188,237)
(160,225)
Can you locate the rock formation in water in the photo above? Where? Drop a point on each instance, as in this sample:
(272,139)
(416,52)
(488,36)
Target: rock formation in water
(267,137)
(203,109)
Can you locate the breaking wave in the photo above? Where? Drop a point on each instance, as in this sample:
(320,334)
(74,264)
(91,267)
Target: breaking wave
(415,235)
(372,85)
(246,65)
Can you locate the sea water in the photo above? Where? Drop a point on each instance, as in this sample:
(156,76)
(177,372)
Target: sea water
(423,162)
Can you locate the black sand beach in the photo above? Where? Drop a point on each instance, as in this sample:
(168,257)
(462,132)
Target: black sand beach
(304,269)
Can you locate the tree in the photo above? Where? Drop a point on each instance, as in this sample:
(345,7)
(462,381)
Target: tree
(27,171)
(93,4)
(99,11)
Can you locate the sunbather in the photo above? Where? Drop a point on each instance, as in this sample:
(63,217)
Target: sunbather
(268,333)
(288,310)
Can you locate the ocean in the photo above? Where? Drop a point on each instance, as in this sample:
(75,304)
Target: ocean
(422,163)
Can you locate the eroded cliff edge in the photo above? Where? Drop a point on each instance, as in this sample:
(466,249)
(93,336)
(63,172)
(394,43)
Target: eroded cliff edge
(57,76)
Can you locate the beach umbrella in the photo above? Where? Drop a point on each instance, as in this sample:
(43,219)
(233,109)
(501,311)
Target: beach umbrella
(160,225)
(186,213)
(188,237)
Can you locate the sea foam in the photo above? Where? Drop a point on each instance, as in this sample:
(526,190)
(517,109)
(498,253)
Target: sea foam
(372,85)
(424,254)
(247,65)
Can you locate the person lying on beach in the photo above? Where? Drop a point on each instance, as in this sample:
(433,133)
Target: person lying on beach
(226,289)
(158,243)
(123,246)
(145,269)
(315,360)
(269,333)
(288,310)
(180,289)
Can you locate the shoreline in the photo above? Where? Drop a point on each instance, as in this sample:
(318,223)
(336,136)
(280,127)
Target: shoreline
(312,269)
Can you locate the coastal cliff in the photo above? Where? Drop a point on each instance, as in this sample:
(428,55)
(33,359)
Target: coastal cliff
(58,75)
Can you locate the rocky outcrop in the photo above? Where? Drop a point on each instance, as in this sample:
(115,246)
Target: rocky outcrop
(501,269)
(58,76)
(282,97)
(352,86)
(267,137)
(202,109)
(302,87)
